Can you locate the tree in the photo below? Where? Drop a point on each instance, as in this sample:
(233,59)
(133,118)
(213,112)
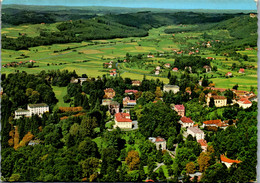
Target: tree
(89,168)
(203,161)
(235,87)
(87,126)
(161,175)
(158,92)
(133,160)
(211,102)
(202,97)
(230,96)
(190,167)
(85,103)
(66,98)
(34,98)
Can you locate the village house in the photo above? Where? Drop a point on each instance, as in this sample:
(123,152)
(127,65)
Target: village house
(241,71)
(244,103)
(218,123)
(136,83)
(150,56)
(203,144)
(228,162)
(175,69)
(109,93)
(186,122)
(130,92)
(167,65)
(195,132)
(200,82)
(252,15)
(159,142)
(158,67)
(210,58)
(113,106)
(174,88)
(122,120)
(228,74)
(180,109)
(208,68)
(128,103)
(219,101)
(157,72)
(32,109)
(112,74)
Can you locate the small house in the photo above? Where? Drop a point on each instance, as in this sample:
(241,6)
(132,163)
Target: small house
(109,93)
(228,162)
(175,69)
(195,132)
(186,122)
(241,71)
(122,120)
(180,109)
(159,142)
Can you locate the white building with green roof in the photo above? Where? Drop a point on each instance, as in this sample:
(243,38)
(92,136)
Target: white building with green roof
(38,109)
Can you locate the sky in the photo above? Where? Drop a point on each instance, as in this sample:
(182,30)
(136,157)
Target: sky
(165,4)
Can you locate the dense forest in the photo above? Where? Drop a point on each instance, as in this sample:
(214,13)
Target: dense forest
(106,27)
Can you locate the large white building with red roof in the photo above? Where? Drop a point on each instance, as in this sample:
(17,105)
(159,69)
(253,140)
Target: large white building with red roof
(159,142)
(244,103)
(122,120)
(180,109)
(186,122)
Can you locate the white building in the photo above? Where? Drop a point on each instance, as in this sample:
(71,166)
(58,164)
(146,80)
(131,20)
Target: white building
(122,120)
(159,142)
(244,103)
(38,109)
(196,132)
(186,122)
(173,88)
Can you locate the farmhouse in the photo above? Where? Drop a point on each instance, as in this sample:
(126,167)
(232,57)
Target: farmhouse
(157,72)
(208,68)
(32,109)
(150,56)
(196,132)
(131,92)
(175,69)
(228,162)
(136,83)
(122,120)
(173,88)
(159,142)
(228,74)
(219,101)
(128,103)
(210,58)
(216,123)
(186,122)
(244,103)
(109,93)
(241,71)
(167,65)
(180,109)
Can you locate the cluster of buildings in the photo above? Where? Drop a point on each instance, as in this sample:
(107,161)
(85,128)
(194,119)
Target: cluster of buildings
(14,64)
(32,109)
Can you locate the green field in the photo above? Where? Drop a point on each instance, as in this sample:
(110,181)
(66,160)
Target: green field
(94,53)
(60,92)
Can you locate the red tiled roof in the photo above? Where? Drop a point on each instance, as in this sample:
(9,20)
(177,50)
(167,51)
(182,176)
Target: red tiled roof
(245,101)
(216,121)
(179,107)
(241,70)
(202,142)
(159,139)
(184,119)
(131,91)
(149,180)
(227,160)
(121,117)
(175,69)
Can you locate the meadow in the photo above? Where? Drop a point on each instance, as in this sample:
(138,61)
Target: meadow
(88,57)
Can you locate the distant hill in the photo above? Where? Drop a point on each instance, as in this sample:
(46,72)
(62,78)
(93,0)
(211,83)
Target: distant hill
(21,14)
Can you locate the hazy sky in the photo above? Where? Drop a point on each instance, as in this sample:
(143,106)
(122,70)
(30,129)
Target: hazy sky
(167,4)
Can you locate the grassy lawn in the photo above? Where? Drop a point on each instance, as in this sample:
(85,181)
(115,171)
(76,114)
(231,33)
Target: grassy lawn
(60,92)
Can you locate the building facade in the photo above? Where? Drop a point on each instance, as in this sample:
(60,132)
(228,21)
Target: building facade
(174,88)
(159,142)
(186,122)
(195,132)
(122,120)
(32,109)
(180,109)
(219,101)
